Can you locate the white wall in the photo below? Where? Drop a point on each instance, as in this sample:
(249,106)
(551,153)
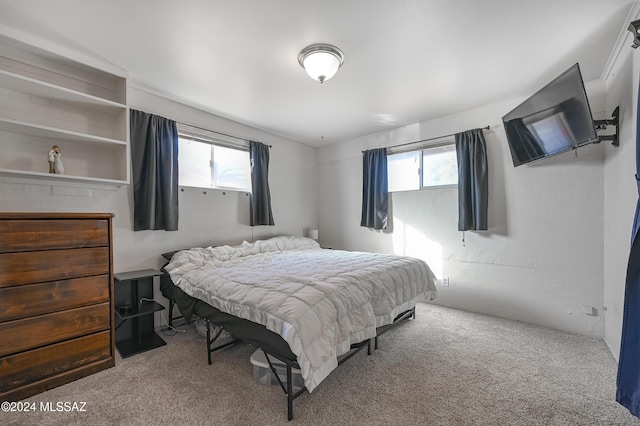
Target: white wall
(559,230)
(620,190)
(541,259)
(213,218)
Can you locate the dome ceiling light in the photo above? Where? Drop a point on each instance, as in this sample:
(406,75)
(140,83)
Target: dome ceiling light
(321,61)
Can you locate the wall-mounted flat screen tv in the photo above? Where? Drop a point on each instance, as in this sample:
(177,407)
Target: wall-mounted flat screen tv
(555,119)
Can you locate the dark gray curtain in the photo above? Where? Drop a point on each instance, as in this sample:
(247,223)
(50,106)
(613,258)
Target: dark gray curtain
(260,203)
(154,158)
(375,193)
(473,180)
(628,382)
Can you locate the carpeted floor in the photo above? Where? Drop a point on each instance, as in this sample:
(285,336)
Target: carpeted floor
(446,367)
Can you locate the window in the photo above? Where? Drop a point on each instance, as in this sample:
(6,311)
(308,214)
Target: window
(428,168)
(439,166)
(204,164)
(404,171)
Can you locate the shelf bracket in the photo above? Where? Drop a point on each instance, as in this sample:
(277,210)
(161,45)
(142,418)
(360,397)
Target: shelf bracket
(602,124)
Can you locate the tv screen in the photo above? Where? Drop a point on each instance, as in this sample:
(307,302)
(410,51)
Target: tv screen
(555,119)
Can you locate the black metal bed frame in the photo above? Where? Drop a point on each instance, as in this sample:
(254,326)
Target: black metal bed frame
(287,387)
(210,341)
(172,303)
(411,313)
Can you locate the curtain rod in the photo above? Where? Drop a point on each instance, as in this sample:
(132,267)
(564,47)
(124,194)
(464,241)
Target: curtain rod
(219,133)
(428,139)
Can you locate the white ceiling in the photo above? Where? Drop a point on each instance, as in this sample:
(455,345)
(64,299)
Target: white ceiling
(406,61)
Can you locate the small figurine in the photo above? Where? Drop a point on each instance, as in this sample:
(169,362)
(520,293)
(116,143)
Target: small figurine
(55,163)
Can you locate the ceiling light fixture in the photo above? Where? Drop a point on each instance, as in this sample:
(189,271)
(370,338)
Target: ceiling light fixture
(321,61)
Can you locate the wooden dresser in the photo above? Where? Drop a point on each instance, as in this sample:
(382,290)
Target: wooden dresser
(56,300)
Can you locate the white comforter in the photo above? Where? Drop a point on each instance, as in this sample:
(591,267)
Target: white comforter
(319,301)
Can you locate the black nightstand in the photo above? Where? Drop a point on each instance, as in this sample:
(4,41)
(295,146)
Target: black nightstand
(134,308)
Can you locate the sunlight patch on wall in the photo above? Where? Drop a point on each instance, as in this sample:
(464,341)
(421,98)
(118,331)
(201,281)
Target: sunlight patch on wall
(408,241)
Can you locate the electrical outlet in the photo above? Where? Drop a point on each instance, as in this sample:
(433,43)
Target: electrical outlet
(445,282)
(589,310)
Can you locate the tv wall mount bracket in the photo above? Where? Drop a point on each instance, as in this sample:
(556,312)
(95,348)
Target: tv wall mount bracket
(602,124)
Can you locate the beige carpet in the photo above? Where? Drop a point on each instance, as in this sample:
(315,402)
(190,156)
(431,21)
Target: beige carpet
(446,367)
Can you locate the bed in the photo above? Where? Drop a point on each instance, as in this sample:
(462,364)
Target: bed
(308,307)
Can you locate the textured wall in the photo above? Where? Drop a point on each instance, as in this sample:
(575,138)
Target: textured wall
(541,259)
(620,191)
(211,218)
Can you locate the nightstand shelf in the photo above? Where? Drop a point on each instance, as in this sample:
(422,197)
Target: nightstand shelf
(134,309)
(144,309)
(142,343)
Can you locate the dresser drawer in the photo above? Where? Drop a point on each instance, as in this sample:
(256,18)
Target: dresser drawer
(56,300)
(36,299)
(28,333)
(52,265)
(29,235)
(31,366)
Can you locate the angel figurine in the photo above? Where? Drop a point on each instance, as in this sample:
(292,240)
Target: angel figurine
(55,163)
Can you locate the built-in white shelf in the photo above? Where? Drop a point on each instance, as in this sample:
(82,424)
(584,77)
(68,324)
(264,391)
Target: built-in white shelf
(36,130)
(34,87)
(46,99)
(40,178)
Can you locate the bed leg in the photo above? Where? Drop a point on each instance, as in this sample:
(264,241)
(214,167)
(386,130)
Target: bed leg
(376,343)
(289,392)
(171,312)
(369,347)
(208,341)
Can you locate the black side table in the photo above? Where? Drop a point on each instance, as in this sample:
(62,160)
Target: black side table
(134,308)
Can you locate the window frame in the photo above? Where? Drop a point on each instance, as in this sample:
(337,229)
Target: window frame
(421,151)
(213,142)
